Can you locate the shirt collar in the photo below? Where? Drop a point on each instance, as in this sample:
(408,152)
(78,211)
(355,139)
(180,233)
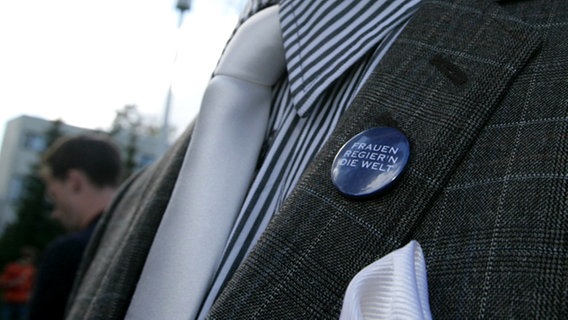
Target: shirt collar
(322,39)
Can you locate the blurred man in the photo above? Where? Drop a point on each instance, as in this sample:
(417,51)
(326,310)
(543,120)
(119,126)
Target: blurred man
(81,175)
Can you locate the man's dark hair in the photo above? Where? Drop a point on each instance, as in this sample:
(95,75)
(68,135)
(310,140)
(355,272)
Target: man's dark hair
(95,155)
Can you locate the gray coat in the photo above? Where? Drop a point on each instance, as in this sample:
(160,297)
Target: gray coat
(480,88)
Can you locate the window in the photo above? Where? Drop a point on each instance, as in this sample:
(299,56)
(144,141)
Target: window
(145,160)
(35,142)
(15,189)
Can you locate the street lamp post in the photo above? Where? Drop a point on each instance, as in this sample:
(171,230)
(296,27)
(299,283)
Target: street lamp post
(182,6)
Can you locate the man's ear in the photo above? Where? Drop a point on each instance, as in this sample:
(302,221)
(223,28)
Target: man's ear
(77,180)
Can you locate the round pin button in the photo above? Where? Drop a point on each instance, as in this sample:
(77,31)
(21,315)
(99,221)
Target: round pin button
(370,162)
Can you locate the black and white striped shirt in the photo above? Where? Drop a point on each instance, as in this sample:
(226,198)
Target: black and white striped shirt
(331,47)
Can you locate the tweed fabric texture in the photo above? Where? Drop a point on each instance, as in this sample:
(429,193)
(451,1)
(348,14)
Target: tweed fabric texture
(115,256)
(485,191)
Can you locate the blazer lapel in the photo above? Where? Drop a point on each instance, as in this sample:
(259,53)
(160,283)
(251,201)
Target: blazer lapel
(439,83)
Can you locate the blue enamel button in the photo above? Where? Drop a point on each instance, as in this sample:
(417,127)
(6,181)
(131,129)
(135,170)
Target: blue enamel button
(370,162)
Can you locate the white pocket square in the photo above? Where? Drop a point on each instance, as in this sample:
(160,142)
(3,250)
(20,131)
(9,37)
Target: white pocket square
(393,287)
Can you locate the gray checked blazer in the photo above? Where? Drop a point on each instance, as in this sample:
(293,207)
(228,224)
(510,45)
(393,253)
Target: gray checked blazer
(480,88)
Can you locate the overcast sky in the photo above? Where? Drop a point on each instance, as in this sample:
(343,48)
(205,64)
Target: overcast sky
(80,61)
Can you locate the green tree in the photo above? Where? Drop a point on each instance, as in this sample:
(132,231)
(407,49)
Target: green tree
(128,124)
(32,225)
(127,121)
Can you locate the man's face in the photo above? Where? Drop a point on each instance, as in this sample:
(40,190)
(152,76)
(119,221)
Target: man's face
(64,195)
